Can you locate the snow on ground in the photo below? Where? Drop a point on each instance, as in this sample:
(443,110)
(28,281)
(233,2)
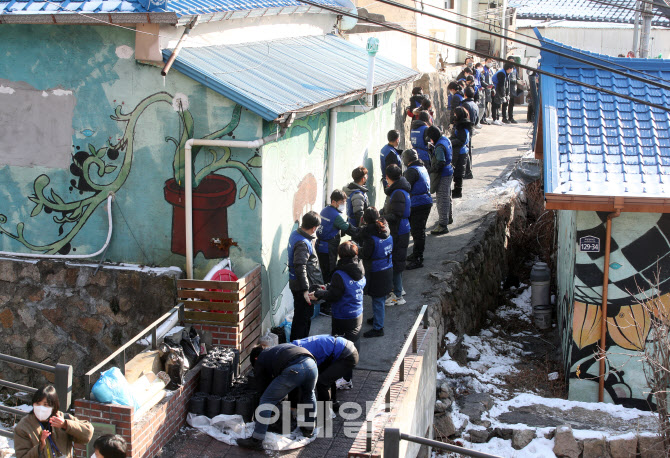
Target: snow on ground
(491,355)
(6,447)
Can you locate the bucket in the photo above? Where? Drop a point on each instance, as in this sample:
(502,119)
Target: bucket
(542,316)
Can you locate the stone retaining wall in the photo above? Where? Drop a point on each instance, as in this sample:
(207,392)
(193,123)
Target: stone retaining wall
(54,312)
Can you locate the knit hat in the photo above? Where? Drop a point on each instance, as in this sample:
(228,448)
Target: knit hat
(409,156)
(433,133)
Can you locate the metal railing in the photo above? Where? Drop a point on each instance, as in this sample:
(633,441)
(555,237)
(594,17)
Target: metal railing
(397,368)
(62,382)
(393,436)
(121,351)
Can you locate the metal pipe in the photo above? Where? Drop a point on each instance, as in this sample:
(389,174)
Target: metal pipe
(177,48)
(603,308)
(369,96)
(188,179)
(110,198)
(444,446)
(636,29)
(645,36)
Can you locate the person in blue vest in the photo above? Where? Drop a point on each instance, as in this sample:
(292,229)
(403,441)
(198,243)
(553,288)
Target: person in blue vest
(457,97)
(389,153)
(501,83)
(441,174)
(417,135)
(377,255)
(414,101)
(345,294)
(279,370)
(396,211)
(487,86)
(460,139)
(427,106)
(335,357)
(473,117)
(357,196)
(421,203)
(304,273)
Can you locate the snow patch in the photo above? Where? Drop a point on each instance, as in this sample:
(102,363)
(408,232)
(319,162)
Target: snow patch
(61,92)
(6,90)
(124,52)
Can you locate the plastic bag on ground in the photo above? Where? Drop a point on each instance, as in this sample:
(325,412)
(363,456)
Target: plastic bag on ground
(229,428)
(113,388)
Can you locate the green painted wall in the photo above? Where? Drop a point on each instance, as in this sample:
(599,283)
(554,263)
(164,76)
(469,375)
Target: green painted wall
(566,246)
(294,182)
(640,249)
(116,126)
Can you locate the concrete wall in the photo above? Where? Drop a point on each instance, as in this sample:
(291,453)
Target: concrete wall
(565,275)
(640,250)
(82,119)
(54,312)
(298,184)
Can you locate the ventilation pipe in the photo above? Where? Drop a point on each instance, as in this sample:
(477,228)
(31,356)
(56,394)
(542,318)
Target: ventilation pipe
(188,178)
(180,44)
(372,47)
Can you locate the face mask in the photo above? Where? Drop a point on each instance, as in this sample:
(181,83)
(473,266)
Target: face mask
(470,64)
(94,455)
(488,64)
(341,208)
(42,412)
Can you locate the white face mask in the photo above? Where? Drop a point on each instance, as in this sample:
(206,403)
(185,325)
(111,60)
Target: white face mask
(94,455)
(42,412)
(342,208)
(488,64)
(470,64)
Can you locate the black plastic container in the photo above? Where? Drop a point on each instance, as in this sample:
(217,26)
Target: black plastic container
(228,405)
(206,377)
(236,362)
(213,405)
(221,381)
(245,408)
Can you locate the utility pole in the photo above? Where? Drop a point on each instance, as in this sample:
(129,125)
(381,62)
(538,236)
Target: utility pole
(636,29)
(645,36)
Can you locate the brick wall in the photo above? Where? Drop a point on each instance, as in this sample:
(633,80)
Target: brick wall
(148,434)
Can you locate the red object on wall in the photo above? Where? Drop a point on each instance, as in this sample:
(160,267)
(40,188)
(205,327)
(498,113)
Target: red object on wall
(210,215)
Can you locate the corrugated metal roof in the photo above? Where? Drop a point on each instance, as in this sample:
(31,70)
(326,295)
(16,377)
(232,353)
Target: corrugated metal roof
(178,7)
(598,144)
(583,10)
(272,78)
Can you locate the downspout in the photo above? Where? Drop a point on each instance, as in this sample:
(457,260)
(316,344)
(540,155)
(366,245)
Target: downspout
(180,43)
(188,178)
(110,198)
(603,307)
(372,48)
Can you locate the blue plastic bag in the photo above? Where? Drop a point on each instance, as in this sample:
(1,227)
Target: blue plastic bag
(113,388)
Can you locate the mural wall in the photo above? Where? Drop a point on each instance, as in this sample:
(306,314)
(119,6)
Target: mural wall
(566,246)
(87,120)
(640,248)
(295,182)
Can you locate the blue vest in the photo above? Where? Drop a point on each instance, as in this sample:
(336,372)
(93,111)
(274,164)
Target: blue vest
(448,170)
(327,231)
(323,347)
(294,239)
(464,148)
(381,256)
(386,150)
(420,193)
(350,305)
(403,226)
(350,207)
(418,140)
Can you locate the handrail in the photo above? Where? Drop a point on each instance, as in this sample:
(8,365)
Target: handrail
(62,381)
(122,350)
(399,368)
(392,437)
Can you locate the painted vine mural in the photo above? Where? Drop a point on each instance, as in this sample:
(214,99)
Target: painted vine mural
(640,250)
(100,171)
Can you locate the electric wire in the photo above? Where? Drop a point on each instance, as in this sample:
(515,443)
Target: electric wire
(626,8)
(503,29)
(495,34)
(499,59)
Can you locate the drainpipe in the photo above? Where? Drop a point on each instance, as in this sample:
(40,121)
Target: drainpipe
(177,48)
(110,198)
(372,48)
(603,307)
(188,178)
(636,28)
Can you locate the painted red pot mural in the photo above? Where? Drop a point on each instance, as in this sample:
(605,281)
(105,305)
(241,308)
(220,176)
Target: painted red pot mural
(211,199)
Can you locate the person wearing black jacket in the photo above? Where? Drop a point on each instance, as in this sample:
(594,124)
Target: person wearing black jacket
(345,295)
(501,82)
(377,255)
(415,101)
(421,203)
(509,107)
(304,273)
(460,137)
(456,96)
(473,115)
(278,371)
(397,209)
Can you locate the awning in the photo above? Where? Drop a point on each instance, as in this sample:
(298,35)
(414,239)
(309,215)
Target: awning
(300,75)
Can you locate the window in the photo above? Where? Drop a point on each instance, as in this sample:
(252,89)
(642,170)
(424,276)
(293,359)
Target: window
(449,4)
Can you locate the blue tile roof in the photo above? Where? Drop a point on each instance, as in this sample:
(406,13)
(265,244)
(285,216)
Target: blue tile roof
(272,78)
(178,7)
(583,10)
(598,144)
